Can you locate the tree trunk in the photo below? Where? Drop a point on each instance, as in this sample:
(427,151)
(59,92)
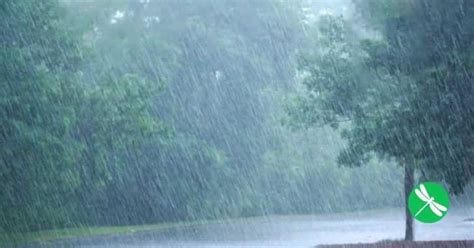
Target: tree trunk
(408,185)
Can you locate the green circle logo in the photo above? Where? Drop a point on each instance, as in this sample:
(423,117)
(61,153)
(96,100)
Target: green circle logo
(428,202)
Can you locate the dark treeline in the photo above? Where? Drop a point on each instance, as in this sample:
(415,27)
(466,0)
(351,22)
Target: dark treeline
(133,112)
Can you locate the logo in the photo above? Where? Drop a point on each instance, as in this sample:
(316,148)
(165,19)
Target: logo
(428,202)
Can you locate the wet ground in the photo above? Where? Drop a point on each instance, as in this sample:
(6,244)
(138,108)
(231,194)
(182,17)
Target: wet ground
(291,231)
(409,244)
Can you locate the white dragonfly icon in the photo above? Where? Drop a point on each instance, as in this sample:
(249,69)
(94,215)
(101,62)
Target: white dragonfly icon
(435,207)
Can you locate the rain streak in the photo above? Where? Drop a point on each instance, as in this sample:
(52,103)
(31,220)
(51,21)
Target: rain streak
(236,123)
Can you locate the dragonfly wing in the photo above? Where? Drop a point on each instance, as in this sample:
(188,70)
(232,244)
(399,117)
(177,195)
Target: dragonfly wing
(421,196)
(435,210)
(440,207)
(423,190)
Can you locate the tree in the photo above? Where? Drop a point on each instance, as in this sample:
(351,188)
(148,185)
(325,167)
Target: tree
(39,65)
(216,57)
(428,44)
(396,90)
(63,139)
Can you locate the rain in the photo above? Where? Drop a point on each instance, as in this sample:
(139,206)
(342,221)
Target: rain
(236,123)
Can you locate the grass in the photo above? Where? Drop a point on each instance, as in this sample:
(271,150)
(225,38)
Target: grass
(51,235)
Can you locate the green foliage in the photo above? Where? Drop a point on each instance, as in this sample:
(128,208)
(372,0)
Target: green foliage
(405,91)
(38,73)
(134,112)
(59,135)
(429,47)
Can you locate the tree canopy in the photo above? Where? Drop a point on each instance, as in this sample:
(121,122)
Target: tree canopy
(135,112)
(399,84)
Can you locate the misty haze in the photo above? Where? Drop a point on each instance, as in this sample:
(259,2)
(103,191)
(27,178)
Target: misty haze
(235,123)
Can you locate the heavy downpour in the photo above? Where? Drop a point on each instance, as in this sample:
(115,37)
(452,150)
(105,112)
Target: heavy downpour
(236,123)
